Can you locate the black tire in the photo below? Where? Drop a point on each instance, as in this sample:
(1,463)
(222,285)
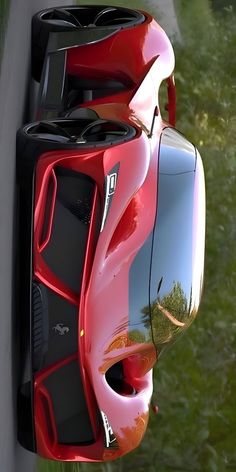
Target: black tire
(42,26)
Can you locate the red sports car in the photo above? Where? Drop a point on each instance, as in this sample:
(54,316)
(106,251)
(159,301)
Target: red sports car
(111,223)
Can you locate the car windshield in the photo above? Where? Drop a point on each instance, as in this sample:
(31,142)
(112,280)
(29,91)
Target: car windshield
(173,290)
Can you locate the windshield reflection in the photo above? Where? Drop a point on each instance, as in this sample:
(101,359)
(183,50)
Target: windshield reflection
(164,300)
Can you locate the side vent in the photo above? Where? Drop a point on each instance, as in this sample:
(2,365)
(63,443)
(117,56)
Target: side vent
(66,248)
(82,210)
(40,324)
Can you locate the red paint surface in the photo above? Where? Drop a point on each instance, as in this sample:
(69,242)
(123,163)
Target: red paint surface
(141,58)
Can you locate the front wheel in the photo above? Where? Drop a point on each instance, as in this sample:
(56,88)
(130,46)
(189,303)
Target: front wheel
(36,138)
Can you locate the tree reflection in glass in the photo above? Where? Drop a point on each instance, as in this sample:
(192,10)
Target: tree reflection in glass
(170,315)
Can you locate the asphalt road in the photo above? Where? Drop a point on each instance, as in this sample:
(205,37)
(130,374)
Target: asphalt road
(14,80)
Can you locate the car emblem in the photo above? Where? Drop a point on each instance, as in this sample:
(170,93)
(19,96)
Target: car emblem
(61,329)
(110,439)
(110,187)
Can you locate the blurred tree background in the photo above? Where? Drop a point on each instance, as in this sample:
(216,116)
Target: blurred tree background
(195,381)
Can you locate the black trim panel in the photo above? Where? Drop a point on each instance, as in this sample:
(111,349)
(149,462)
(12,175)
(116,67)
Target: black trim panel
(70,409)
(78,37)
(55,328)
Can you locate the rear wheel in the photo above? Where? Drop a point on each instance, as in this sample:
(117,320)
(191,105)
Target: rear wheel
(76,18)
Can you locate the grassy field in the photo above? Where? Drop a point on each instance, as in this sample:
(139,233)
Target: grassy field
(4,6)
(195,383)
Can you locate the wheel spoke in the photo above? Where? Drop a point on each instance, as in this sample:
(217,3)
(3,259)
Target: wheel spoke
(49,137)
(102,13)
(90,126)
(60,23)
(62,15)
(96,129)
(49,130)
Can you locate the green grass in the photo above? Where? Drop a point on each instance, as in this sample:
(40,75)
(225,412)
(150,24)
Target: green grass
(195,383)
(4,6)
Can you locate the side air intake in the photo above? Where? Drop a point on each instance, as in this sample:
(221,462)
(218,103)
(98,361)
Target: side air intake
(40,324)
